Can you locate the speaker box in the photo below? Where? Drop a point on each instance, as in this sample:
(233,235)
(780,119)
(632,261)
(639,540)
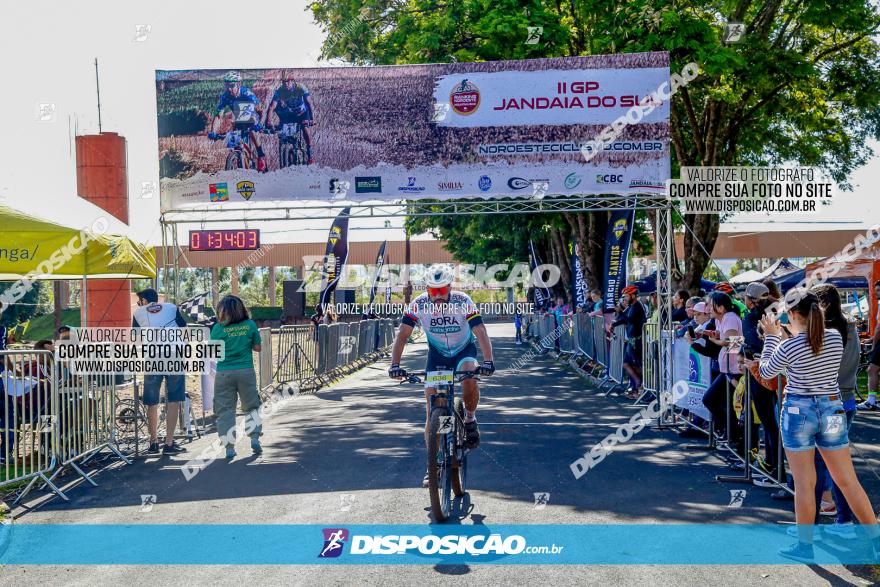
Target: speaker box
(294,303)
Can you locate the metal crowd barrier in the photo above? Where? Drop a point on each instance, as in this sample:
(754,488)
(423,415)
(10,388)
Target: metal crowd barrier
(651,357)
(264,363)
(566,337)
(615,365)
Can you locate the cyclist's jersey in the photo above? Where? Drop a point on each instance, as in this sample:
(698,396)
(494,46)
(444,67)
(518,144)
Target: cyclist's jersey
(291,104)
(243,106)
(448,326)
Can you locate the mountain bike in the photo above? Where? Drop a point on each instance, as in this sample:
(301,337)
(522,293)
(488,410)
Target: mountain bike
(292,145)
(242,155)
(447,441)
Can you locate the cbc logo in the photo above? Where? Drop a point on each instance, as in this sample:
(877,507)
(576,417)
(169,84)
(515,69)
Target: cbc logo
(609,178)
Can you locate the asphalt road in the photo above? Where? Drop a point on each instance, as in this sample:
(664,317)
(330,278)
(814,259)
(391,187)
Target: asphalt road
(354,454)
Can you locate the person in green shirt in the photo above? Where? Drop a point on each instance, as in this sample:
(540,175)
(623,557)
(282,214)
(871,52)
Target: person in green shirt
(236,377)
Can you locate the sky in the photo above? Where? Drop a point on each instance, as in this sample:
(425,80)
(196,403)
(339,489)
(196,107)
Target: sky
(56,48)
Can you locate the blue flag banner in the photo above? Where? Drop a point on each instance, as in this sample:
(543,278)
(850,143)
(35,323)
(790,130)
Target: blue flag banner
(617,241)
(578,282)
(336,254)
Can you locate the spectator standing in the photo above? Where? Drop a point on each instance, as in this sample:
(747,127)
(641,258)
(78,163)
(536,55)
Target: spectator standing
(679,311)
(718,397)
(236,377)
(726,288)
(634,317)
(812,415)
(151,314)
(874,364)
(597,308)
(517,322)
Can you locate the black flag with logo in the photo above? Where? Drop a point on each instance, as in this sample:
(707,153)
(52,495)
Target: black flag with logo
(617,241)
(542,294)
(380,262)
(335,256)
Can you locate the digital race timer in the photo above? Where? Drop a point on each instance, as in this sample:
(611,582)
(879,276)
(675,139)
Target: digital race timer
(246,239)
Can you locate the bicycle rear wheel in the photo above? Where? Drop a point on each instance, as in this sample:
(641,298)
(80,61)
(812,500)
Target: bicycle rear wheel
(439,482)
(234,160)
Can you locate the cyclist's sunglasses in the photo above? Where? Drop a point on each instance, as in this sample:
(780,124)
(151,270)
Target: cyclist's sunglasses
(439,291)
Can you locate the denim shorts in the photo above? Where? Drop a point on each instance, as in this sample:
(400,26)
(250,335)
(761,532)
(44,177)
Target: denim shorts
(808,421)
(175,388)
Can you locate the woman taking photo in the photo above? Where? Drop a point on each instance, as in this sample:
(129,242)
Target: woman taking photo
(718,398)
(236,377)
(812,414)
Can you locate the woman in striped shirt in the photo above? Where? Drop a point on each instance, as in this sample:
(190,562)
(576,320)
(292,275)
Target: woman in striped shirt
(812,414)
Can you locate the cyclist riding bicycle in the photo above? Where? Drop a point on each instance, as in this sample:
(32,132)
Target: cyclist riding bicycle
(245,108)
(291,104)
(451,322)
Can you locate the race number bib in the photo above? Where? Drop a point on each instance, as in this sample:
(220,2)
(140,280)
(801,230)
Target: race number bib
(435,378)
(245,112)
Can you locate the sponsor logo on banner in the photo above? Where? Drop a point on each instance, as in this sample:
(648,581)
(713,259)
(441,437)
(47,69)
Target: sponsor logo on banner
(519,183)
(485,183)
(411,186)
(647,184)
(449,186)
(368,185)
(335,233)
(465,98)
(572,180)
(619,227)
(245,189)
(219,192)
(315,186)
(550,148)
(194,194)
(334,541)
(609,178)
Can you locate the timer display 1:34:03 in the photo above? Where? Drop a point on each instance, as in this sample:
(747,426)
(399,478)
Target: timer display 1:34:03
(247,239)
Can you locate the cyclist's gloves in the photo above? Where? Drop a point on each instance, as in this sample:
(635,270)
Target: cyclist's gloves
(395,372)
(487,368)
(212,136)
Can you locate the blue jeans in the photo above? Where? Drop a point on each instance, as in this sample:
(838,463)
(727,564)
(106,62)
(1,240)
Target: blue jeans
(810,421)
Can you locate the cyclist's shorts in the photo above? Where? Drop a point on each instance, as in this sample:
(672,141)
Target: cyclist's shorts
(175,387)
(436,361)
(287,117)
(875,355)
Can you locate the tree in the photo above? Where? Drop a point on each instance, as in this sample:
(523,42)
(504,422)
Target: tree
(803,85)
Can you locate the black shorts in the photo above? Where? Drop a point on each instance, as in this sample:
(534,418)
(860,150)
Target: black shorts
(875,355)
(632,353)
(436,361)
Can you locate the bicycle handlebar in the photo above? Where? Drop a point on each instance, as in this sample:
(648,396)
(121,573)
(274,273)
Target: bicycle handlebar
(416,376)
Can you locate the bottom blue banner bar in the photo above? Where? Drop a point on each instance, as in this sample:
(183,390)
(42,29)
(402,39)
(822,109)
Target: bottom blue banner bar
(680,544)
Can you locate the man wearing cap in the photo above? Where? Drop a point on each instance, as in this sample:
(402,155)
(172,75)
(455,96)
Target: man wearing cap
(151,314)
(634,317)
(725,287)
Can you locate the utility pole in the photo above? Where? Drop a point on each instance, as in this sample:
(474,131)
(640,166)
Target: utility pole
(98,86)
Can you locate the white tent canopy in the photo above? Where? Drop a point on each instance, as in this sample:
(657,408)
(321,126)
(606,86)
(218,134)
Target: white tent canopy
(780,268)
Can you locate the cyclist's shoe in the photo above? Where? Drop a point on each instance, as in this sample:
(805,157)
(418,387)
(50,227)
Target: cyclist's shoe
(230,452)
(154,448)
(473,434)
(427,479)
(311,161)
(172,449)
(868,406)
(261,165)
(256,447)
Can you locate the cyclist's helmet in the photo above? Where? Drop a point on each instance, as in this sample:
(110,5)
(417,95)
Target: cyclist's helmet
(630,289)
(438,276)
(232,76)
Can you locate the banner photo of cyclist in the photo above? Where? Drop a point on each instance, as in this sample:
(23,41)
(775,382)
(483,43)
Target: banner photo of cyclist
(579,282)
(617,239)
(335,256)
(542,295)
(451,130)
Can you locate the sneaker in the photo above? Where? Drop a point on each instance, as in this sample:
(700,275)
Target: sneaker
(473,434)
(763,482)
(230,452)
(427,479)
(828,509)
(154,448)
(172,449)
(255,446)
(843,531)
(782,495)
(793,532)
(798,552)
(868,406)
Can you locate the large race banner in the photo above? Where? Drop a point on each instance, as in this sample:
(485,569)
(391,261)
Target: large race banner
(490,129)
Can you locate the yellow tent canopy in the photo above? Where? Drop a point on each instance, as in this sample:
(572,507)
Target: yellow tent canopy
(38,249)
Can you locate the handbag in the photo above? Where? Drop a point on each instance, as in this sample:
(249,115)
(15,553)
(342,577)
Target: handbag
(771,383)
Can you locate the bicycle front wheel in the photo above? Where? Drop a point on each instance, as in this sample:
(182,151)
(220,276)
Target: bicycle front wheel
(459,464)
(439,469)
